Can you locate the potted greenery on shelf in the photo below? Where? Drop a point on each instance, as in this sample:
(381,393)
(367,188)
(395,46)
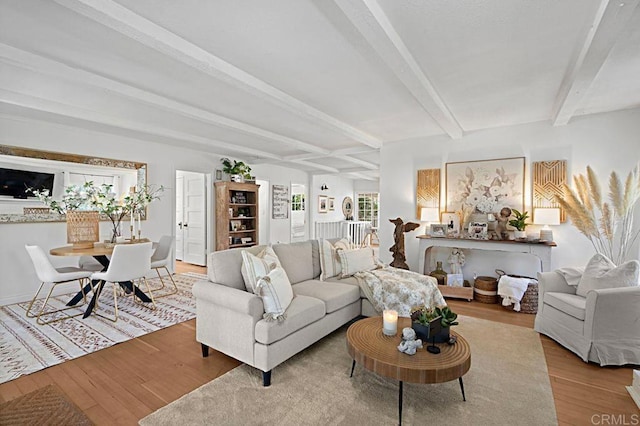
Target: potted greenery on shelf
(422,317)
(238,171)
(519,223)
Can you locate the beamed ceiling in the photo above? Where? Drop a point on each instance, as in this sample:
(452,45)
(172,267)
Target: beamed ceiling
(315,85)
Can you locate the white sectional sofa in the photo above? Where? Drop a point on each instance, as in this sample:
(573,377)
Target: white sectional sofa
(230,319)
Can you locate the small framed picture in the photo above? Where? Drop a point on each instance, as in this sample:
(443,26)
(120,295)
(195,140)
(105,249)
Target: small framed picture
(438,230)
(323,204)
(332,202)
(452,220)
(236,225)
(478,230)
(218,174)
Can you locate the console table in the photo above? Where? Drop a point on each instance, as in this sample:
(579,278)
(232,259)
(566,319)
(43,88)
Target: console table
(541,250)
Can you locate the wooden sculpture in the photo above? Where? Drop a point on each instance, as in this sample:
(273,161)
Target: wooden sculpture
(399,259)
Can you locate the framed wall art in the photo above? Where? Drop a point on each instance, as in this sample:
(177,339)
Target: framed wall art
(485,186)
(427,190)
(332,204)
(323,202)
(280,201)
(548,180)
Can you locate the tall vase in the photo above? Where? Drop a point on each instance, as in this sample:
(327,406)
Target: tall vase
(83,228)
(116,230)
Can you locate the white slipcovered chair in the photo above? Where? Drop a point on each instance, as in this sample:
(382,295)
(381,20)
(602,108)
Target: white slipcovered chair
(54,276)
(160,259)
(129,262)
(598,324)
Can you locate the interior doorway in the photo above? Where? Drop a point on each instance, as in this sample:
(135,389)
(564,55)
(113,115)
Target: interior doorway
(264,218)
(191,217)
(298,213)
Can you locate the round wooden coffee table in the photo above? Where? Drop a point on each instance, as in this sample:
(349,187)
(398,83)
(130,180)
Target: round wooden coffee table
(369,347)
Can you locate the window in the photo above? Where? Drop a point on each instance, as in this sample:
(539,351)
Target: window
(297,202)
(368,207)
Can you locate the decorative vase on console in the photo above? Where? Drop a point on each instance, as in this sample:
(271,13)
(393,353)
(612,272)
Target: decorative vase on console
(439,274)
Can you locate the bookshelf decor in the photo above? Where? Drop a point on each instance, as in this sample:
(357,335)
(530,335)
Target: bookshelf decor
(236,214)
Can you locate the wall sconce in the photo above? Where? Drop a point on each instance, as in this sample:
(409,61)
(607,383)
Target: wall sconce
(546,217)
(324,187)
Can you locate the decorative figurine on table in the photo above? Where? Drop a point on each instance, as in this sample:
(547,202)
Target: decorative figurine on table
(456,260)
(399,259)
(501,227)
(409,345)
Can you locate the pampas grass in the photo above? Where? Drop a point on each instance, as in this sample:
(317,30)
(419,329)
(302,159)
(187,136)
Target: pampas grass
(607,224)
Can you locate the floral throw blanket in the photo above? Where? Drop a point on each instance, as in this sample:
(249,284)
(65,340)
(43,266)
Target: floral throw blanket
(399,289)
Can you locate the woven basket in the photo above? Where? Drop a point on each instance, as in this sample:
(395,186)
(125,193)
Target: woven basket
(485,290)
(83,228)
(529,302)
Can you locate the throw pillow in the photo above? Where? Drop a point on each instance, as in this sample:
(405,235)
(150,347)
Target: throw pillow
(329,260)
(602,273)
(256,266)
(356,260)
(277,294)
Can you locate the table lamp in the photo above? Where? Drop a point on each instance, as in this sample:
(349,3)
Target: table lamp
(429,214)
(546,216)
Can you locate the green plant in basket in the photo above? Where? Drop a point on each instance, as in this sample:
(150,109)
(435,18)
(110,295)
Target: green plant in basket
(425,315)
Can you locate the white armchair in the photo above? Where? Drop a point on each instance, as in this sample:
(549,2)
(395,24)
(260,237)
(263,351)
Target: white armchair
(603,327)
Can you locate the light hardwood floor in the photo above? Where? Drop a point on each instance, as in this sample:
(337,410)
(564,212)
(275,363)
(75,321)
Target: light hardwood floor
(123,383)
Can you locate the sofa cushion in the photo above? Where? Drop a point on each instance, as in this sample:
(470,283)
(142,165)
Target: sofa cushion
(223,267)
(276,293)
(356,260)
(256,265)
(349,280)
(601,273)
(301,312)
(297,260)
(571,304)
(334,295)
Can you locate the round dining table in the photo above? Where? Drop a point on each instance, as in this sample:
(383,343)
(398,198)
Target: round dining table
(99,251)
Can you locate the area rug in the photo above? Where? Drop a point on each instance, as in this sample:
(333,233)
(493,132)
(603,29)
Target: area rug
(26,347)
(508,383)
(44,406)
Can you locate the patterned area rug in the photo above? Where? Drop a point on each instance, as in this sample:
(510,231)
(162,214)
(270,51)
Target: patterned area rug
(44,406)
(26,347)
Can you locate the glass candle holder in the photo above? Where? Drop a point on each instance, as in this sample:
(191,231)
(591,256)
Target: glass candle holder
(389,322)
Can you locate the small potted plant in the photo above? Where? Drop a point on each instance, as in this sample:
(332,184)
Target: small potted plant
(422,317)
(519,223)
(238,171)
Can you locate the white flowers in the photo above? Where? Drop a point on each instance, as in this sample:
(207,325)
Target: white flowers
(485,190)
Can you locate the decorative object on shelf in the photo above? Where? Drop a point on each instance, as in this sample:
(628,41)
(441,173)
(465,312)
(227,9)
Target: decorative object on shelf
(429,215)
(323,203)
(280,201)
(235,225)
(218,174)
(347,208)
(478,231)
(439,274)
(438,230)
(245,240)
(238,171)
(452,220)
(609,226)
(399,258)
(332,204)
(501,227)
(546,216)
(83,228)
(423,319)
(427,191)
(389,322)
(520,223)
(409,344)
(548,180)
(457,260)
(485,186)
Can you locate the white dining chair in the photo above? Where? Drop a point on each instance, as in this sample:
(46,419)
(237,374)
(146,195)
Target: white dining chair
(54,276)
(129,262)
(160,259)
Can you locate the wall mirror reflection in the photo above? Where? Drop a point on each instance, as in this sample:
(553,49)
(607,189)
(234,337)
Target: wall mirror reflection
(22,167)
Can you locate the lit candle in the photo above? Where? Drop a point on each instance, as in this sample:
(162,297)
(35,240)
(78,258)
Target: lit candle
(389,322)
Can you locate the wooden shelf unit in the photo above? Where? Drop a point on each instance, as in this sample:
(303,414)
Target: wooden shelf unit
(234,199)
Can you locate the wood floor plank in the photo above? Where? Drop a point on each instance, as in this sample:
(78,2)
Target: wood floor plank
(123,383)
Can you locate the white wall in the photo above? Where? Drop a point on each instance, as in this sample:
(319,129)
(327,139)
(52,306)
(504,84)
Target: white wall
(18,281)
(606,142)
(339,188)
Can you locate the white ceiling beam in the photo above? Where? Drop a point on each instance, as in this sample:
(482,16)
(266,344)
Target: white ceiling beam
(374,25)
(610,21)
(363,176)
(316,166)
(58,108)
(365,164)
(40,64)
(140,29)
(337,152)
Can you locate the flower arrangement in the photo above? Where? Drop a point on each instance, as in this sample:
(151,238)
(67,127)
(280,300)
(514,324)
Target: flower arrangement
(76,197)
(486,190)
(607,225)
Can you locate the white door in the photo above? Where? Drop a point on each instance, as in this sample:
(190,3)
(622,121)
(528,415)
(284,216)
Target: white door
(179,214)
(264,215)
(192,229)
